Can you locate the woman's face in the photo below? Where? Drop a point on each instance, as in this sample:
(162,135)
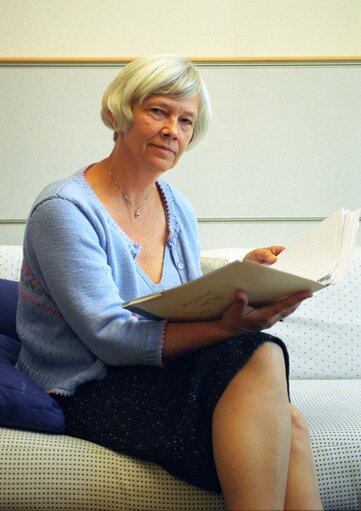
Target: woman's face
(161,131)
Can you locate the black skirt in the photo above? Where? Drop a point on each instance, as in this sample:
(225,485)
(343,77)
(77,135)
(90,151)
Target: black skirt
(163,415)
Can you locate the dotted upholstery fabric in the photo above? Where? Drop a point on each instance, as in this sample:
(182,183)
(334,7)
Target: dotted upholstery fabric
(324,335)
(333,411)
(40,472)
(10,261)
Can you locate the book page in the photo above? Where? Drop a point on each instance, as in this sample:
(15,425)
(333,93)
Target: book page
(316,254)
(349,236)
(207,297)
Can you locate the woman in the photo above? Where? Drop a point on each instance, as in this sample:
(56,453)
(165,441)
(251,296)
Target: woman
(206,400)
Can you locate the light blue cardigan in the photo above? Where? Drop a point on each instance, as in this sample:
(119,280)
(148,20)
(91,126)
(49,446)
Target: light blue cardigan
(78,270)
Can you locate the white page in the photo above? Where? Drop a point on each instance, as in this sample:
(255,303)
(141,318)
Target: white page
(316,253)
(349,241)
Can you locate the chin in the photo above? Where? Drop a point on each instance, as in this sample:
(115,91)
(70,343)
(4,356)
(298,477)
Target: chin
(161,167)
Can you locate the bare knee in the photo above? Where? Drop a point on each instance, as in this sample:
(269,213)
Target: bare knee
(298,420)
(269,354)
(264,373)
(269,360)
(300,430)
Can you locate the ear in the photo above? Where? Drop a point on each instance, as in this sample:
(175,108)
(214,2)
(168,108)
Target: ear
(111,120)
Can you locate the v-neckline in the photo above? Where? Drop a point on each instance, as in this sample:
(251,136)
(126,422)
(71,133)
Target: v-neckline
(137,247)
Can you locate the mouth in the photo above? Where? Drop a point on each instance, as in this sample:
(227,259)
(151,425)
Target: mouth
(164,148)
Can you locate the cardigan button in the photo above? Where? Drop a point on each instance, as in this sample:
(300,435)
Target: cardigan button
(180,265)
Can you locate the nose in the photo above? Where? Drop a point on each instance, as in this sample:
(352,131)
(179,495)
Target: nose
(170,129)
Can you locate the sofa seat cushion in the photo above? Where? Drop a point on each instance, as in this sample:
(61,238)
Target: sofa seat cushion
(41,472)
(333,412)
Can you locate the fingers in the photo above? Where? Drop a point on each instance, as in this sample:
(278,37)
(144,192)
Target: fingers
(288,305)
(267,255)
(240,317)
(264,255)
(240,304)
(276,249)
(270,253)
(233,317)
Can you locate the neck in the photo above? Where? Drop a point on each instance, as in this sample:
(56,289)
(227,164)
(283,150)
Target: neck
(134,181)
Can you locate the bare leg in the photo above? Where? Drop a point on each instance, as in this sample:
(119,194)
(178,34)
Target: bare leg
(261,443)
(302,487)
(252,434)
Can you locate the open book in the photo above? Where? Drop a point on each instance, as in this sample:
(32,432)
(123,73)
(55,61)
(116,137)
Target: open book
(317,259)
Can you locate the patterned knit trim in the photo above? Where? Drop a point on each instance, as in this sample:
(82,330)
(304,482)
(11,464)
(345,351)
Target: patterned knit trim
(42,306)
(167,210)
(164,329)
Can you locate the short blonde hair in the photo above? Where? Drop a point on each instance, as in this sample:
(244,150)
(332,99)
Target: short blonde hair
(170,75)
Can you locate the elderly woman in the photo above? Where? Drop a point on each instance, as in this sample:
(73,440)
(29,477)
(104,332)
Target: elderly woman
(206,400)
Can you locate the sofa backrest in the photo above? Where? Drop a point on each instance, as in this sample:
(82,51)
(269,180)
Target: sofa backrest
(324,334)
(10,261)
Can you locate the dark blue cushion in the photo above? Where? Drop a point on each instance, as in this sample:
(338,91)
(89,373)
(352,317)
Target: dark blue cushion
(9,293)
(23,404)
(9,350)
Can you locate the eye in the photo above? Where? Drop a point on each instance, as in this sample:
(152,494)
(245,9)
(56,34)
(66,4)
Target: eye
(157,111)
(187,122)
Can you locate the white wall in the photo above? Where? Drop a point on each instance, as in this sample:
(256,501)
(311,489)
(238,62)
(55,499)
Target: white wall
(35,29)
(283,148)
(196,28)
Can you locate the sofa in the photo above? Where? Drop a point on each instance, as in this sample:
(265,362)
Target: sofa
(48,471)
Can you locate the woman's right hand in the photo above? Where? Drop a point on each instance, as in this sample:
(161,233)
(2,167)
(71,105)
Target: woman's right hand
(240,317)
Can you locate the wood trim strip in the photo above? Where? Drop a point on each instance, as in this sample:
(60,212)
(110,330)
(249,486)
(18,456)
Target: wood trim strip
(205,60)
(210,220)
(241,220)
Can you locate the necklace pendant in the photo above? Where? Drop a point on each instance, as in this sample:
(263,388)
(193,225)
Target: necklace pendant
(135,210)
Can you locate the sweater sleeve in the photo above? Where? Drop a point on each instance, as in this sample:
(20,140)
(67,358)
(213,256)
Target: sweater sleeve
(65,254)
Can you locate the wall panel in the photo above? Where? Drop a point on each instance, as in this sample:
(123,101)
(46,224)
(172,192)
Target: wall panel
(283,149)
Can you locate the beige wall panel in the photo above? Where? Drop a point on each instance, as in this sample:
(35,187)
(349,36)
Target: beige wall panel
(202,28)
(284,143)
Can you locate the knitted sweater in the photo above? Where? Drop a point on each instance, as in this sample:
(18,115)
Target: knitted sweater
(78,269)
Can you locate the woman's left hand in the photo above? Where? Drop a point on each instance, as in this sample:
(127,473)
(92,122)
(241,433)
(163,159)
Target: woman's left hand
(267,255)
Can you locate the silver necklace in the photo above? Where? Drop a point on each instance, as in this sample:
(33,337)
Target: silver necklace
(136,209)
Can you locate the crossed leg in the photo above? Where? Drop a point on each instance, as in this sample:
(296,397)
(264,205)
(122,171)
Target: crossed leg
(261,443)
